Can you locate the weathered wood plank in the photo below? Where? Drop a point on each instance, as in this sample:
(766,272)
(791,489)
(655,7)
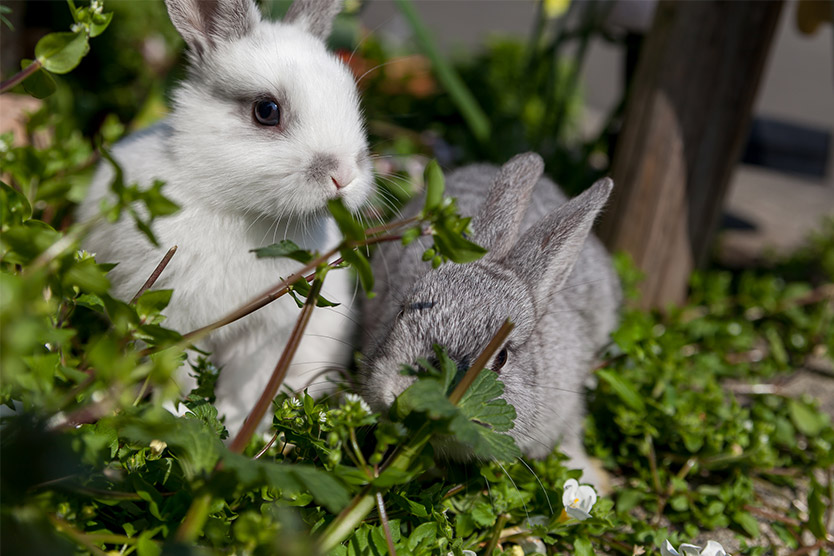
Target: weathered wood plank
(687,115)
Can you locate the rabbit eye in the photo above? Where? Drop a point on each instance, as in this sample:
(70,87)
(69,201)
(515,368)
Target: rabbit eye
(500,360)
(267,112)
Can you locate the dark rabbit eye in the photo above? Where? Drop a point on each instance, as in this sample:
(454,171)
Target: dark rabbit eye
(267,112)
(500,360)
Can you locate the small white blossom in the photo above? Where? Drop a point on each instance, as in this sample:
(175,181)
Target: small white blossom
(578,499)
(356,399)
(295,402)
(96,6)
(322,417)
(533,545)
(712,549)
(157,446)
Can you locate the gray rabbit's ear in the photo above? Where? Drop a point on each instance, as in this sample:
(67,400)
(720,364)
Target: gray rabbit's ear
(205,23)
(496,226)
(314,16)
(545,255)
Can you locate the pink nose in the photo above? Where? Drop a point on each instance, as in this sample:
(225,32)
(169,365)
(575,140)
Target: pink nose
(341,178)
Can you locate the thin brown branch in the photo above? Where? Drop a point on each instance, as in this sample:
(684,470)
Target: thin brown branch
(391,226)
(383,518)
(264,299)
(278,374)
(473,371)
(155,274)
(20,76)
(267,447)
(808,549)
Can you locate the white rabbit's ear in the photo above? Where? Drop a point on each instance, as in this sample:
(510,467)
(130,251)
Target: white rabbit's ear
(545,255)
(314,16)
(205,23)
(496,226)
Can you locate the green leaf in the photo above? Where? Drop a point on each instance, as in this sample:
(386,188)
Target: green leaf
(747,522)
(435,184)
(152,302)
(146,547)
(62,52)
(624,389)
(196,447)
(582,547)
(816,511)
(481,403)
(100,23)
(363,268)
(808,421)
(14,206)
(39,84)
(284,248)
(348,225)
(302,288)
(324,488)
(455,247)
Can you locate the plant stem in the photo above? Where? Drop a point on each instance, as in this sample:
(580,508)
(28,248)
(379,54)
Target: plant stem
(78,536)
(481,361)
(257,414)
(496,533)
(194,520)
(20,76)
(264,299)
(383,518)
(346,521)
(462,97)
(361,459)
(267,447)
(155,274)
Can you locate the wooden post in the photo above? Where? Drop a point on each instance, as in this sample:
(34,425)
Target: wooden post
(687,116)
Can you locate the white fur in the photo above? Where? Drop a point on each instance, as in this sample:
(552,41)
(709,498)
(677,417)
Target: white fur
(241,186)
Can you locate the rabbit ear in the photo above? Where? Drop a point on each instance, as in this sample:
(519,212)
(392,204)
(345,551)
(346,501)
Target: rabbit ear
(205,23)
(314,16)
(545,255)
(496,226)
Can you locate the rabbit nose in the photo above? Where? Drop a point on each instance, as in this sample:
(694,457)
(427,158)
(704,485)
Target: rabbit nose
(342,177)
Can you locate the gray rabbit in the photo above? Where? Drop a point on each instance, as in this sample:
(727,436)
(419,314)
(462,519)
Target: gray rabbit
(544,271)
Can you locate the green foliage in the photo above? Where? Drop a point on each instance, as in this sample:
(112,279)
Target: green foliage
(692,448)
(684,414)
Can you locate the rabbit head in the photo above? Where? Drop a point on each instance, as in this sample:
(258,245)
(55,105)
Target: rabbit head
(461,307)
(267,120)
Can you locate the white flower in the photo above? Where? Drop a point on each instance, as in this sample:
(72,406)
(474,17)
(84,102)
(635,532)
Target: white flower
(356,399)
(712,549)
(96,6)
(322,417)
(295,402)
(465,553)
(578,499)
(157,446)
(533,545)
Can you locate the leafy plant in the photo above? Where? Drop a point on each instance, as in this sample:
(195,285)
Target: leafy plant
(688,414)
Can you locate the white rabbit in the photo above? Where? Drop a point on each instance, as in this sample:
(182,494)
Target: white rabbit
(265,129)
(543,271)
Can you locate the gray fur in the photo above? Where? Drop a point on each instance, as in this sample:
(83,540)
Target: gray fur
(316,16)
(555,282)
(321,166)
(205,23)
